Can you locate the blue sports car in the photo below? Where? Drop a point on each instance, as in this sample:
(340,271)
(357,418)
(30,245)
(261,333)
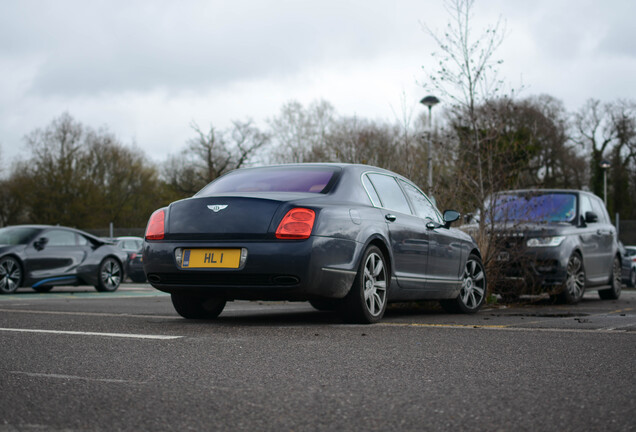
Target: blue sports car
(345,237)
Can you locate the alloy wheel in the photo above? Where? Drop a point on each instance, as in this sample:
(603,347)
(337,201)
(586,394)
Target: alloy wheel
(473,284)
(575,283)
(10,275)
(111,275)
(374,284)
(617,272)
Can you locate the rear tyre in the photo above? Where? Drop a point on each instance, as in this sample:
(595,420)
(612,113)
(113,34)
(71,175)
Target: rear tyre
(10,275)
(473,292)
(574,286)
(192,306)
(367,298)
(632,278)
(614,292)
(109,275)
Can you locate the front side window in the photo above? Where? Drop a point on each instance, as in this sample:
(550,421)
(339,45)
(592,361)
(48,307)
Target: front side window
(599,208)
(390,193)
(534,207)
(423,207)
(586,206)
(60,238)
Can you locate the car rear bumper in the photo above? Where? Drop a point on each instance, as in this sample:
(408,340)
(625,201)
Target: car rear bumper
(319,267)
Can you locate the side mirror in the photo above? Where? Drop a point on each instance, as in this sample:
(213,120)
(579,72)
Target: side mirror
(40,243)
(591,217)
(450,216)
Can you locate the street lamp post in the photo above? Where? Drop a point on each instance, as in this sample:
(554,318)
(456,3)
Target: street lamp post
(430,102)
(605,165)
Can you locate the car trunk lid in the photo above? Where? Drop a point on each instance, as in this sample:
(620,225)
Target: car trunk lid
(225,217)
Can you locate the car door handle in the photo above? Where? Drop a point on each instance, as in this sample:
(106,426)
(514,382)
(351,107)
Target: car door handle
(390,217)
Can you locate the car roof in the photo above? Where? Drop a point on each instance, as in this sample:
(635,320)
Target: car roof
(44,227)
(539,190)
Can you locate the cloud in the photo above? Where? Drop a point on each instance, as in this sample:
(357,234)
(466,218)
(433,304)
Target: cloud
(104,47)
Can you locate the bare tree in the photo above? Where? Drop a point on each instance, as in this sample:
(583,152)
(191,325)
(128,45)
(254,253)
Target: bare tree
(81,177)
(211,154)
(299,133)
(608,132)
(466,72)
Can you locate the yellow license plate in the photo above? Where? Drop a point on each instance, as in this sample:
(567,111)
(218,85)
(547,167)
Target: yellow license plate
(211,258)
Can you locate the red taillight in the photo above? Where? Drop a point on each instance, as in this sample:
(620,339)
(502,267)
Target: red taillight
(133,256)
(297,224)
(156,227)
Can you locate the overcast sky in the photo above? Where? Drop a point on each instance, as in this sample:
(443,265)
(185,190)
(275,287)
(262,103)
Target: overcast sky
(147,69)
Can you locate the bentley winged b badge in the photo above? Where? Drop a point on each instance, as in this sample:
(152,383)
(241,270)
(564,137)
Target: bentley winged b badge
(217,207)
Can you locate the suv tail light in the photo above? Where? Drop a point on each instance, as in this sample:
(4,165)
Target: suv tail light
(297,224)
(156,225)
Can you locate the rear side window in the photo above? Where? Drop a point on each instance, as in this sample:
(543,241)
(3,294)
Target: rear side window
(274,179)
(390,193)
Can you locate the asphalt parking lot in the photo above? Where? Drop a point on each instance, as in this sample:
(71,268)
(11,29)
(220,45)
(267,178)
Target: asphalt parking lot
(76,359)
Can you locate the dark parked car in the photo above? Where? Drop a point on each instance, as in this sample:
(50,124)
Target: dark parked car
(345,237)
(557,241)
(134,262)
(41,257)
(629,264)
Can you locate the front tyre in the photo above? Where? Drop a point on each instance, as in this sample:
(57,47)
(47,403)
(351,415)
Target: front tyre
(10,275)
(614,292)
(192,306)
(367,299)
(109,275)
(574,286)
(473,292)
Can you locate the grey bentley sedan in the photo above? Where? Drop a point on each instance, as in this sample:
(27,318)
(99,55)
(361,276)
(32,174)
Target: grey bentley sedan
(344,237)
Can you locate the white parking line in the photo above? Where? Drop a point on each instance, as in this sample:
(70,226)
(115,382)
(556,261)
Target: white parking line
(98,314)
(73,377)
(66,332)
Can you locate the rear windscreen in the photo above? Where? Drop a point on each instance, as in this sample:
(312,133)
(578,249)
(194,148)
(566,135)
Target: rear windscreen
(274,179)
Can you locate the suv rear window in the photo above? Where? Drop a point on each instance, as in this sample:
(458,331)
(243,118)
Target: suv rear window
(274,179)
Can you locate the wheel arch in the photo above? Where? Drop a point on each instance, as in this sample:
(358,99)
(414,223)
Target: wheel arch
(380,243)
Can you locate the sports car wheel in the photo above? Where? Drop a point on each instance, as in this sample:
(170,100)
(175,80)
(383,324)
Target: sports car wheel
(473,292)
(10,275)
(367,299)
(614,292)
(192,306)
(109,276)
(574,286)
(632,278)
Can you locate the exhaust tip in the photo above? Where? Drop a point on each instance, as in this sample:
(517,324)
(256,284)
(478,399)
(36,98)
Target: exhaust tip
(153,278)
